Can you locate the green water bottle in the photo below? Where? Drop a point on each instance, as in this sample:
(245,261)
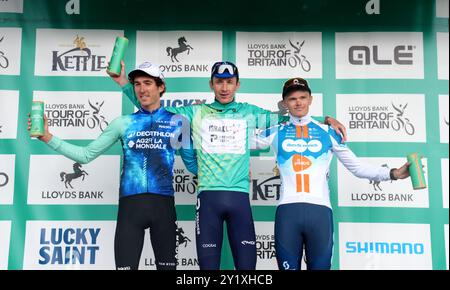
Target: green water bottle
(37,119)
(416,171)
(120,47)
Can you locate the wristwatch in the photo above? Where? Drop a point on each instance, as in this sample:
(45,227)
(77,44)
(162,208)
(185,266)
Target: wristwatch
(391,174)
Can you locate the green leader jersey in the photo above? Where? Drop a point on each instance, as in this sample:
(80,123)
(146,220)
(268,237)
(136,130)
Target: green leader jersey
(220,136)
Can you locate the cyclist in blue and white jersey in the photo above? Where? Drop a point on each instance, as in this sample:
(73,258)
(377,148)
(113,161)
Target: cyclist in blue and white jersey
(149,139)
(304,149)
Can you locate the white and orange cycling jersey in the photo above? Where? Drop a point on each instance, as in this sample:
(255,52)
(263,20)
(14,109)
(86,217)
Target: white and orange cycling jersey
(304,149)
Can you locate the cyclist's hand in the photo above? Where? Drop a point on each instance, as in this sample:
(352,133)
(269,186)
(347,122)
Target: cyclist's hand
(338,127)
(121,80)
(47,135)
(402,172)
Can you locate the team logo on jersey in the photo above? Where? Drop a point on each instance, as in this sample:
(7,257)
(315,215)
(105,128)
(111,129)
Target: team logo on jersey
(301,146)
(300,163)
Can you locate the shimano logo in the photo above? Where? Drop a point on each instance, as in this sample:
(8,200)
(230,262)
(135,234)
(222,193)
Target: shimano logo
(248,243)
(385,248)
(209,246)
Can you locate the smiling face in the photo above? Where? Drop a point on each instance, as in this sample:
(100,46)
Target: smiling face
(148,92)
(224,89)
(298,103)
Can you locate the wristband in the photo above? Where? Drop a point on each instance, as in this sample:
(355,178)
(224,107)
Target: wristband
(391,174)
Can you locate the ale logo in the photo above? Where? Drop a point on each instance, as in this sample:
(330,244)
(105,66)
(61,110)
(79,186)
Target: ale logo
(300,163)
(77,173)
(4,62)
(182,47)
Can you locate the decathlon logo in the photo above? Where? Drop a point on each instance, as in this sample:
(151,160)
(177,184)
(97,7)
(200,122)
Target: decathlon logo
(301,146)
(385,248)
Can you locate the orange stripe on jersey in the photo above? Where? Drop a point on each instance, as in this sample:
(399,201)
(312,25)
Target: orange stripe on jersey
(306,182)
(298,132)
(299,182)
(305,131)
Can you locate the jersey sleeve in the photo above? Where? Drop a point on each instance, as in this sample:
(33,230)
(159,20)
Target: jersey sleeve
(264,139)
(354,164)
(189,157)
(88,153)
(128,90)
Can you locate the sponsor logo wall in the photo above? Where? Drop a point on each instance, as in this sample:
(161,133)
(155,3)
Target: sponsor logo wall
(11,6)
(79,115)
(5,236)
(63,181)
(69,245)
(70,52)
(379,55)
(7,178)
(388,87)
(355,191)
(446,244)
(9,110)
(10,48)
(279,54)
(180,53)
(443,118)
(383,117)
(442,46)
(444,172)
(186,249)
(384,246)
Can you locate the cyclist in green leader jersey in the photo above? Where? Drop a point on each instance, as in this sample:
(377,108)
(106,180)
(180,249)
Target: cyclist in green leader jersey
(221,132)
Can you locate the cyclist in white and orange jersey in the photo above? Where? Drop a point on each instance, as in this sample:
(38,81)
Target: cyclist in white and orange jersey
(304,149)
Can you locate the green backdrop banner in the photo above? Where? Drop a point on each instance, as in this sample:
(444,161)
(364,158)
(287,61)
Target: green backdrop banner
(380,67)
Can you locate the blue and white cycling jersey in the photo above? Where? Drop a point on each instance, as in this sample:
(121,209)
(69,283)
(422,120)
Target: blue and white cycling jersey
(149,141)
(304,149)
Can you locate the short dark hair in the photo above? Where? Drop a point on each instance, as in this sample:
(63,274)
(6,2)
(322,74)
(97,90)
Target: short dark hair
(159,82)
